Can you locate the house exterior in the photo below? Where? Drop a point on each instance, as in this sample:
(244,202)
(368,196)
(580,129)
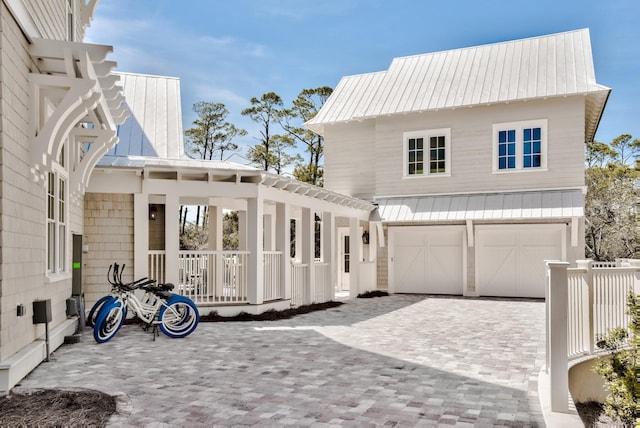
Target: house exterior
(60,105)
(474,158)
(132,208)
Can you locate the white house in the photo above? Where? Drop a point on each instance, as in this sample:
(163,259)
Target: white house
(475,159)
(132,207)
(60,105)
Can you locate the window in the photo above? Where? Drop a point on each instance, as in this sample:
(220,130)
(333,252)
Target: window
(427,153)
(520,146)
(57,218)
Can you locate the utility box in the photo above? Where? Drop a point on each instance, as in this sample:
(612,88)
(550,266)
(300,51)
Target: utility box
(42,311)
(72,307)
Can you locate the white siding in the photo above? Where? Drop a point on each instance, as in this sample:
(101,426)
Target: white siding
(471,150)
(351,157)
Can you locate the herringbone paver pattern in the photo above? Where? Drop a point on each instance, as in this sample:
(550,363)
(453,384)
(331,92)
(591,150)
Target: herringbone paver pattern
(397,361)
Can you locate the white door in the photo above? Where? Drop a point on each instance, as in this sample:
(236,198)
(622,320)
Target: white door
(345,259)
(510,259)
(428,260)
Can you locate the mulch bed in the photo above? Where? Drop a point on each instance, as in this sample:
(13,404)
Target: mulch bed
(51,407)
(374,293)
(271,315)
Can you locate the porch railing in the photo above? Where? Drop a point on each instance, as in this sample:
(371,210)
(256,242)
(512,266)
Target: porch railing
(597,302)
(323,287)
(213,276)
(157,265)
(299,286)
(273,286)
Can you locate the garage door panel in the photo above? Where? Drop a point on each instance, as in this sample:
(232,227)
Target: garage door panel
(510,260)
(410,269)
(436,269)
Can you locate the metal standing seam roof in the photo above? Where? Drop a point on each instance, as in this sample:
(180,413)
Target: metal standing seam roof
(495,206)
(546,66)
(154,127)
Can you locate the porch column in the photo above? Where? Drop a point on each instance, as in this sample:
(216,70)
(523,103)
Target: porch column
(255,274)
(269,241)
(140,235)
(215,228)
(556,308)
(354,257)
(307,247)
(328,252)
(172,237)
(283,244)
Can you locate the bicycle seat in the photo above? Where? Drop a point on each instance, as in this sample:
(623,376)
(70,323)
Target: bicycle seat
(167,287)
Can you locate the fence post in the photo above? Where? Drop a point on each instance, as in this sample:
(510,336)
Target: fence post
(556,305)
(588,265)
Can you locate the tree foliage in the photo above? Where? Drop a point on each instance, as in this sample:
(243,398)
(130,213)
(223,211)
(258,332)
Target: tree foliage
(304,108)
(211,134)
(621,370)
(611,199)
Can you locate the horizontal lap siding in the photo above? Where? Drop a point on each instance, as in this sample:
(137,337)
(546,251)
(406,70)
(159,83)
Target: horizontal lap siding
(349,159)
(472,145)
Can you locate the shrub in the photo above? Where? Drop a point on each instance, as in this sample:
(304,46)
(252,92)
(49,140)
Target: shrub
(621,372)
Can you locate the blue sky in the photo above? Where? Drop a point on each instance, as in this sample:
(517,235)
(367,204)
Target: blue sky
(230,51)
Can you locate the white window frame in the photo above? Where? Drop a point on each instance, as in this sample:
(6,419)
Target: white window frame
(426,135)
(519,128)
(70,18)
(57,260)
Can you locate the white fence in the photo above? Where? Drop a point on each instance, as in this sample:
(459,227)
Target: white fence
(597,302)
(273,286)
(299,285)
(583,304)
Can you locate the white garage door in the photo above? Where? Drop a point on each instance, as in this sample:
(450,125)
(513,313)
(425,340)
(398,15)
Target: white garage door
(428,260)
(510,259)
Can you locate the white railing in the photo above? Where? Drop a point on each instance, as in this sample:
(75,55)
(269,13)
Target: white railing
(156,260)
(582,305)
(323,287)
(213,276)
(273,286)
(299,287)
(597,302)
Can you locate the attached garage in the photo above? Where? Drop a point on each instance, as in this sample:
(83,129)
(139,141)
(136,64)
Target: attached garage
(510,259)
(429,260)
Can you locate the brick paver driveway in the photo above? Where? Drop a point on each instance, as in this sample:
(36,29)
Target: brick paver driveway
(400,360)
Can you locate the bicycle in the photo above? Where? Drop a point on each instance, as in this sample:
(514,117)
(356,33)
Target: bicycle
(114,277)
(175,315)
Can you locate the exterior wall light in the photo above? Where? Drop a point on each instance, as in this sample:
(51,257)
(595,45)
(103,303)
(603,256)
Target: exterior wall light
(153,212)
(365,237)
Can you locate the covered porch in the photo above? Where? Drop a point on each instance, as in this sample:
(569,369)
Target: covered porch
(289,250)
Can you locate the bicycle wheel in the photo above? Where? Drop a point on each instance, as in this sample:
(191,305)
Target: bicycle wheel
(179,317)
(95,309)
(109,321)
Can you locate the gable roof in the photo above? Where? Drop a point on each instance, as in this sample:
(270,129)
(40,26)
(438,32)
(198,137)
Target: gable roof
(154,127)
(546,66)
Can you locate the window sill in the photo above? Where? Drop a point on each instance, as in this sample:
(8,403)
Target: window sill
(52,278)
(515,171)
(417,177)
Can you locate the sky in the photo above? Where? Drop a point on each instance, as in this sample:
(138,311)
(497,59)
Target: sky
(230,51)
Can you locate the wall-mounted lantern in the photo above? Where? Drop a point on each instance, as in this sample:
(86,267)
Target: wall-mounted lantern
(153,212)
(365,237)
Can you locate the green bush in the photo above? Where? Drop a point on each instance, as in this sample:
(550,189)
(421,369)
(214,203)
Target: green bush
(621,372)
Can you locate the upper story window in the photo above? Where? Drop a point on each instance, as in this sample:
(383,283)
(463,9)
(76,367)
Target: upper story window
(520,146)
(427,153)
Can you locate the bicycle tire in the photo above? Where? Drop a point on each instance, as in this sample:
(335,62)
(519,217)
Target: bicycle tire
(95,309)
(109,321)
(179,317)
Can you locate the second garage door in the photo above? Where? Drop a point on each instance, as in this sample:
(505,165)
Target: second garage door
(510,260)
(428,260)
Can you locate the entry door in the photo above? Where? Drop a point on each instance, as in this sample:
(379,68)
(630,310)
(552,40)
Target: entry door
(345,259)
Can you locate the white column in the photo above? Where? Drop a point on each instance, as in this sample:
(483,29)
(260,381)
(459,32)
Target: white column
(307,246)
(242,231)
(172,236)
(140,235)
(255,274)
(328,248)
(556,304)
(215,228)
(269,240)
(283,244)
(355,239)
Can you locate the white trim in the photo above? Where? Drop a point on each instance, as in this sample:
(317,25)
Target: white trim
(519,126)
(426,134)
(24,19)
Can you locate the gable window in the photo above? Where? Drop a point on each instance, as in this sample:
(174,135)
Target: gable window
(427,153)
(520,146)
